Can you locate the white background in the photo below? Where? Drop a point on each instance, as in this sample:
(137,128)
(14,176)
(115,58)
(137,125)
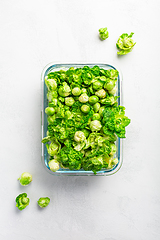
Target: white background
(125,206)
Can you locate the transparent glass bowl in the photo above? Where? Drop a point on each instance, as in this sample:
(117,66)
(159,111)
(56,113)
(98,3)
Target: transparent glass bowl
(45,157)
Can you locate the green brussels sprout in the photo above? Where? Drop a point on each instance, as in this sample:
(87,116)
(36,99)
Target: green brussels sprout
(68,114)
(96,107)
(51,84)
(76,91)
(52,95)
(109,85)
(53,165)
(96,116)
(125,44)
(69,101)
(115,161)
(79,136)
(97,85)
(93,99)
(25,178)
(101,110)
(49,111)
(101,93)
(83,90)
(103,33)
(51,119)
(95,125)
(113,91)
(53,148)
(64,90)
(85,108)
(83,98)
(43,202)
(22,201)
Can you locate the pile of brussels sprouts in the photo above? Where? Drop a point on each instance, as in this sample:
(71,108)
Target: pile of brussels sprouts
(84,119)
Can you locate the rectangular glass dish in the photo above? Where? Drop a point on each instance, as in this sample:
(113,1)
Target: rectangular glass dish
(45,156)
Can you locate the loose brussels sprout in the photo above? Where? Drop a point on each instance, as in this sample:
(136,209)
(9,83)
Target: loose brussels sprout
(53,148)
(95,125)
(96,116)
(96,107)
(68,114)
(76,91)
(97,85)
(101,110)
(43,202)
(85,108)
(103,33)
(93,99)
(25,178)
(101,93)
(79,136)
(83,98)
(51,119)
(64,90)
(52,95)
(69,101)
(51,84)
(49,111)
(113,91)
(125,43)
(109,85)
(22,201)
(53,165)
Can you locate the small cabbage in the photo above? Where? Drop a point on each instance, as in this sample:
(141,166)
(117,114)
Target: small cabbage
(76,91)
(69,101)
(85,108)
(95,125)
(43,202)
(64,90)
(103,33)
(25,178)
(93,99)
(84,98)
(51,84)
(96,107)
(79,136)
(50,111)
(125,44)
(53,148)
(101,93)
(97,85)
(22,201)
(53,165)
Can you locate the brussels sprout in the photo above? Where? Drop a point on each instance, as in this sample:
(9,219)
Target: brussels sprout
(125,43)
(85,108)
(113,91)
(95,125)
(109,85)
(101,110)
(43,202)
(93,99)
(101,93)
(52,95)
(96,107)
(25,178)
(96,116)
(68,114)
(79,136)
(84,98)
(22,201)
(76,91)
(64,90)
(69,101)
(51,84)
(115,161)
(53,148)
(53,165)
(49,111)
(97,85)
(83,90)
(103,33)
(51,119)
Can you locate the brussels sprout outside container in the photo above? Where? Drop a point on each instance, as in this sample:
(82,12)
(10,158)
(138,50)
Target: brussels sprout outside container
(45,157)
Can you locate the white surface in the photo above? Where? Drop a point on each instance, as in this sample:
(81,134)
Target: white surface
(125,206)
